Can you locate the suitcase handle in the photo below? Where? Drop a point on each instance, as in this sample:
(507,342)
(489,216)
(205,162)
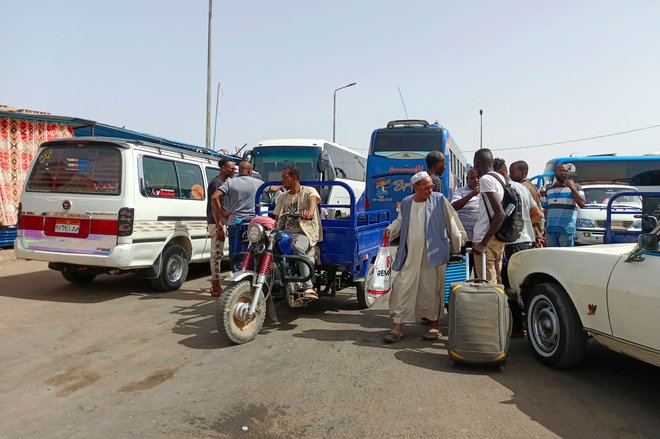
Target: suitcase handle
(467,267)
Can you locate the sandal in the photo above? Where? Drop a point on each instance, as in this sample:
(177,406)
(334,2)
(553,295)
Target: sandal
(214,293)
(432,335)
(393,337)
(310,294)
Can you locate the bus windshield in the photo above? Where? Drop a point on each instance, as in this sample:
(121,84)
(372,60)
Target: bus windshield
(270,160)
(407,143)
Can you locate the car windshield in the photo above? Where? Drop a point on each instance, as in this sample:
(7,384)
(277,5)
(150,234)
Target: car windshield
(603,195)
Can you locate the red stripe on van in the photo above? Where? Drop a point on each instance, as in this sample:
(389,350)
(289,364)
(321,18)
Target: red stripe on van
(104,227)
(31,222)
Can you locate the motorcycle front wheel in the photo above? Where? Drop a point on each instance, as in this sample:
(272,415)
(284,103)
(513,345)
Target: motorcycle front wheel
(232,309)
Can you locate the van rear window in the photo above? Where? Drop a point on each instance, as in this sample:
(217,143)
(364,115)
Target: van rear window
(89,170)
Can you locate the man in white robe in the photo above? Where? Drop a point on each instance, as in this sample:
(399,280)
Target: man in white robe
(430,230)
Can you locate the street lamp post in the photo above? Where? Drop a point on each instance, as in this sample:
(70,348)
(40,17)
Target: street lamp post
(334,107)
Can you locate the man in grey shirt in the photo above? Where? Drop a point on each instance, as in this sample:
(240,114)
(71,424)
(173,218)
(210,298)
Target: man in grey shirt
(237,196)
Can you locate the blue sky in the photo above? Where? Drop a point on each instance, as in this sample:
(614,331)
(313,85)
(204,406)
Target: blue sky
(541,71)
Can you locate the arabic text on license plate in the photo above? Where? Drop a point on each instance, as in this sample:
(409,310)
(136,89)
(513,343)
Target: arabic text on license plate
(67,228)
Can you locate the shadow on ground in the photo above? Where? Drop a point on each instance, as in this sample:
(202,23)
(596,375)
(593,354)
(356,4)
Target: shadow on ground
(198,321)
(49,285)
(609,394)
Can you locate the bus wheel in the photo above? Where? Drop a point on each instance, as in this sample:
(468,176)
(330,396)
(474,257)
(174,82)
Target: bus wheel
(173,270)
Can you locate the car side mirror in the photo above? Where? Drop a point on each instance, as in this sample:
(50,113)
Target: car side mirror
(648,242)
(649,223)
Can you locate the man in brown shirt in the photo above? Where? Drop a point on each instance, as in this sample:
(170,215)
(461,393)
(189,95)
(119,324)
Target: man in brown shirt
(518,172)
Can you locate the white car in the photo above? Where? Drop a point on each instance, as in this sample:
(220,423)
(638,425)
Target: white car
(610,291)
(590,222)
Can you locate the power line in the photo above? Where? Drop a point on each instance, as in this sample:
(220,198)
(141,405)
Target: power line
(572,141)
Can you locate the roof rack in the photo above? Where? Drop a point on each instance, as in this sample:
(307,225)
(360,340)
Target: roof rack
(407,122)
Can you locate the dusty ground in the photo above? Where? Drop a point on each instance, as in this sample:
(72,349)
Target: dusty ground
(114,359)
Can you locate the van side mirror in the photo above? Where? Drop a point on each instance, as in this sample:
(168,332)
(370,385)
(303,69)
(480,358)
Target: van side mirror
(648,242)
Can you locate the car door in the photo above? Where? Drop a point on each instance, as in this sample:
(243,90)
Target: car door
(634,300)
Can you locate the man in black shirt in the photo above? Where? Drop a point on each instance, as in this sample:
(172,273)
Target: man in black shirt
(216,225)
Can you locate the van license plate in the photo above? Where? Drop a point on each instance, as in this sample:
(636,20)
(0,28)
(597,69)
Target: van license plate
(69,227)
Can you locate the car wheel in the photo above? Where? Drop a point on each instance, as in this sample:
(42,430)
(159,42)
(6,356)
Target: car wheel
(554,328)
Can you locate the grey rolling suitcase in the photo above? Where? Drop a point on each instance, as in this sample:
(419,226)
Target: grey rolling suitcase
(479,320)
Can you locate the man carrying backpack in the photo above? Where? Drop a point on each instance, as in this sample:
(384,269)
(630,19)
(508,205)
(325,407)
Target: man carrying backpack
(491,217)
(531,214)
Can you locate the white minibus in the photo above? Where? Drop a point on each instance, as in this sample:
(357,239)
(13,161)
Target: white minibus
(95,205)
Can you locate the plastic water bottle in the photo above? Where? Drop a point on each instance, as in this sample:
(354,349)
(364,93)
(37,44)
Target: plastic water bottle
(509,209)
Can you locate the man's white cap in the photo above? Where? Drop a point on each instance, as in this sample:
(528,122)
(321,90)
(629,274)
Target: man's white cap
(419,176)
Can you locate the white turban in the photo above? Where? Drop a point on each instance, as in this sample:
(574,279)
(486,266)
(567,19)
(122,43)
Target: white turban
(419,176)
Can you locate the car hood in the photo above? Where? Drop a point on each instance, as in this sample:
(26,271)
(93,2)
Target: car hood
(612,249)
(614,207)
(585,264)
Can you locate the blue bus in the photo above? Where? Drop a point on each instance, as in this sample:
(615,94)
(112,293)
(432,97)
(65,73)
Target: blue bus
(399,151)
(642,171)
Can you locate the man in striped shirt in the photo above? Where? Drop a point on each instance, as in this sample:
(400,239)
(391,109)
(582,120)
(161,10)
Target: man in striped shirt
(563,199)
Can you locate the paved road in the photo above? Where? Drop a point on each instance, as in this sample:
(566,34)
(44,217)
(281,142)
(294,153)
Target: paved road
(114,359)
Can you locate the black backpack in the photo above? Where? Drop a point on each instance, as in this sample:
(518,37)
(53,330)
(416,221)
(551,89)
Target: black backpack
(513,224)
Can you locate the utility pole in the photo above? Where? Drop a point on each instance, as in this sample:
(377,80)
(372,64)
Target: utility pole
(208,81)
(481,129)
(217,104)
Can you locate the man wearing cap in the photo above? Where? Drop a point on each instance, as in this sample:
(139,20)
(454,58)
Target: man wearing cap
(430,230)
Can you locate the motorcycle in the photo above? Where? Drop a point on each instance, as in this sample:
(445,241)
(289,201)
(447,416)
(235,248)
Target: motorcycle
(243,306)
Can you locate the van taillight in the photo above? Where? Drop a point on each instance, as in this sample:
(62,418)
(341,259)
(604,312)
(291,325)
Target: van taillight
(367,204)
(125,221)
(29,222)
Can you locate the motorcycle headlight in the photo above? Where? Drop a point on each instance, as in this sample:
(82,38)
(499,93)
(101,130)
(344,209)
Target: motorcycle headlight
(255,232)
(587,223)
(637,224)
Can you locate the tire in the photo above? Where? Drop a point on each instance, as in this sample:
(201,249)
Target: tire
(173,270)
(365,300)
(77,276)
(229,324)
(554,328)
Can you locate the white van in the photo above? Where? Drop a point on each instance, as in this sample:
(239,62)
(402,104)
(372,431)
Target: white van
(590,224)
(95,205)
